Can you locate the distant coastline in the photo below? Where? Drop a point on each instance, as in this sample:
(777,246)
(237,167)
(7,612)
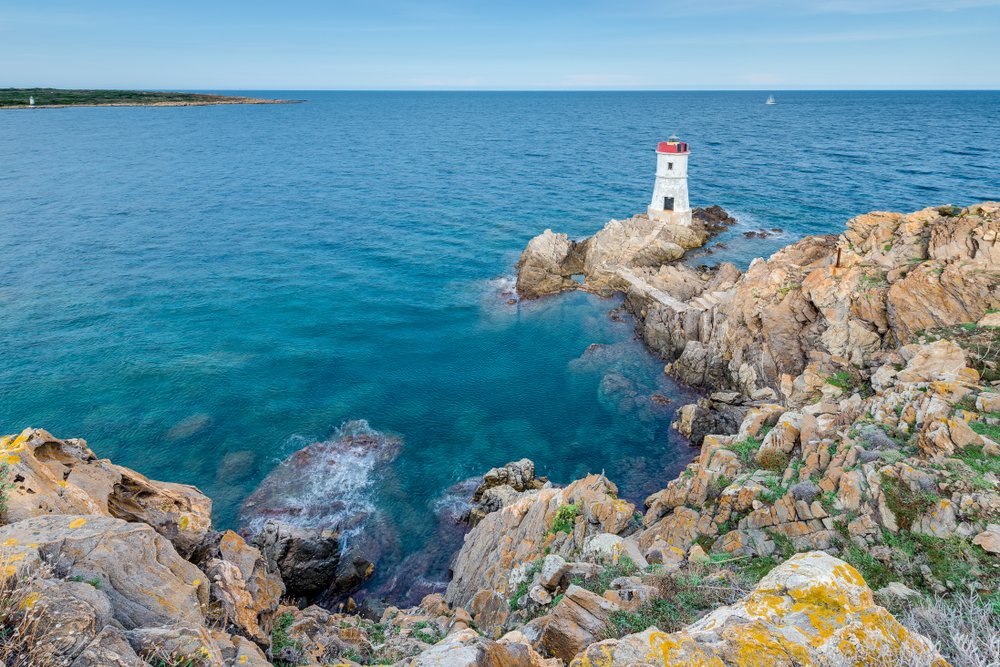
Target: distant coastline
(55,98)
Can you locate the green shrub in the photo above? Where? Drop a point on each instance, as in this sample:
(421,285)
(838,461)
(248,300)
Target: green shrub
(905,503)
(565,519)
(284,651)
(772,459)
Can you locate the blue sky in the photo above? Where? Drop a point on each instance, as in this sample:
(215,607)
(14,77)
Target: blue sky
(456,44)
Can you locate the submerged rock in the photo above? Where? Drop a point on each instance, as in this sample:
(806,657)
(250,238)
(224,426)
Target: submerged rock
(312,515)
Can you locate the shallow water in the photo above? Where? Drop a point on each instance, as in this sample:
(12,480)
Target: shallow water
(201,291)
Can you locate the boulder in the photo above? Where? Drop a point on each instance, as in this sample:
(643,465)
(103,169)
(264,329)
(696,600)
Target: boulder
(306,558)
(53,476)
(580,619)
(542,268)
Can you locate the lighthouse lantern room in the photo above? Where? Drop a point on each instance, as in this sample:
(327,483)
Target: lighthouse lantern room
(670,192)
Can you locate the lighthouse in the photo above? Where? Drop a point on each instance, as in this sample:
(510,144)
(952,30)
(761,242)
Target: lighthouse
(670,192)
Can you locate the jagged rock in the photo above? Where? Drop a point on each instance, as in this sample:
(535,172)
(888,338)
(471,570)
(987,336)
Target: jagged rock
(520,532)
(53,476)
(307,559)
(812,609)
(502,486)
(243,585)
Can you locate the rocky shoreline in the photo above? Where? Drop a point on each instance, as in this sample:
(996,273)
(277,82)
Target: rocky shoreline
(844,508)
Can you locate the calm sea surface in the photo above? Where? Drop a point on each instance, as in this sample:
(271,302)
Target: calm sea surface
(200,291)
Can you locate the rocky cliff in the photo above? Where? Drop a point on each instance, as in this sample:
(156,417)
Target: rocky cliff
(844,508)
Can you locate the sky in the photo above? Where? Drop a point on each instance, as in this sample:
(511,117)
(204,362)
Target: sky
(515,44)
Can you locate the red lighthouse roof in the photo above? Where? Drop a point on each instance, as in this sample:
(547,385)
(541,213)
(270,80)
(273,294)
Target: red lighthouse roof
(672,145)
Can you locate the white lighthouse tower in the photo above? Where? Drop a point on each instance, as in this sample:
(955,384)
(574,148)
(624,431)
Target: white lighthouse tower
(670,192)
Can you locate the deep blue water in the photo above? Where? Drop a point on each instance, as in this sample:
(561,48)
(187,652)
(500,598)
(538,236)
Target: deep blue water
(199,291)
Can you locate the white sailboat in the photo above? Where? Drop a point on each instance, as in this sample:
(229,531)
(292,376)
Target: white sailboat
(770,100)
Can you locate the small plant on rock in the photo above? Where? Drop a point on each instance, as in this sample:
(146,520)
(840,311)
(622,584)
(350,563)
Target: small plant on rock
(772,459)
(565,519)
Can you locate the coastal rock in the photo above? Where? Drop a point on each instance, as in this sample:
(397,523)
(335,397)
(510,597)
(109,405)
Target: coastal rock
(318,495)
(546,265)
(306,558)
(53,476)
(813,609)
(147,583)
(522,531)
(550,261)
(243,584)
(501,486)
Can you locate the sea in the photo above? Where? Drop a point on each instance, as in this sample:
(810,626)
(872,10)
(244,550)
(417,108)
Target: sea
(201,291)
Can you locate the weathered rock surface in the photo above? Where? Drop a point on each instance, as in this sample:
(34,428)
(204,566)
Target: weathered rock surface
(812,610)
(53,476)
(605,260)
(245,586)
(521,531)
(502,486)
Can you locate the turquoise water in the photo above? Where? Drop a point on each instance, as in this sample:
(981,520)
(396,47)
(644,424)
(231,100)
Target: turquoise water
(201,291)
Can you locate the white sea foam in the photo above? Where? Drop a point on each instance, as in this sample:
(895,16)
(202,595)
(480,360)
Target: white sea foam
(326,484)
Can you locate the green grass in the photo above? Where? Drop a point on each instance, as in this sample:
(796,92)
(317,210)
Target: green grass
(625,567)
(746,449)
(774,492)
(876,574)
(93,581)
(427,633)
(682,600)
(991,431)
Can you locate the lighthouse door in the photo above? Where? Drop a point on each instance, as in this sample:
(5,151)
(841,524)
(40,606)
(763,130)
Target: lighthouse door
(668,203)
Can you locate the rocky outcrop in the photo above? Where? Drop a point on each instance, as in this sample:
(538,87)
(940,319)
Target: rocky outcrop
(604,261)
(317,503)
(502,486)
(556,520)
(306,558)
(812,610)
(825,303)
(53,476)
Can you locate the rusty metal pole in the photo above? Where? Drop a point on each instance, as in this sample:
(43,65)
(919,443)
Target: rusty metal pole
(837,265)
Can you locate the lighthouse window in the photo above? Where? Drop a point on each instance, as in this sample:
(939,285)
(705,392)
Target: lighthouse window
(670,165)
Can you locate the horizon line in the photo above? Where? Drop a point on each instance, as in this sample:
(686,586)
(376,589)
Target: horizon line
(513,90)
